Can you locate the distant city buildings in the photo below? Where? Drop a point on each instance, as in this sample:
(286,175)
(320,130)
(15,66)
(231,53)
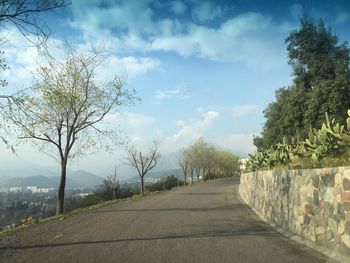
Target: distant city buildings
(33,189)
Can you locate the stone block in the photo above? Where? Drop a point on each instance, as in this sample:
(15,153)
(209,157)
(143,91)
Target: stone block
(309,208)
(309,199)
(340,211)
(328,180)
(320,230)
(301,220)
(315,180)
(333,225)
(347,228)
(337,238)
(317,220)
(346,206)
(316,200)
(343,249)
(338,179)
(328,209)
(341,227)
(337,190)
(345,196)
(346,240)
(346,173)
(346,184)
(329,195)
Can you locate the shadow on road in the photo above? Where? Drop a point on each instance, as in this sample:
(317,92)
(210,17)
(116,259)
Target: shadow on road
(233,208)
(244,231)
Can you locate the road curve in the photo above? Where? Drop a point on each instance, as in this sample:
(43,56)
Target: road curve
(207,222)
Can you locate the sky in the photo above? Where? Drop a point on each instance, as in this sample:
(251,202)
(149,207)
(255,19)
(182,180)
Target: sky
(201,68)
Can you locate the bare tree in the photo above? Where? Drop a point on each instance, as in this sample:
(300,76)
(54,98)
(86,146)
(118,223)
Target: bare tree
(143,162)
(64,108)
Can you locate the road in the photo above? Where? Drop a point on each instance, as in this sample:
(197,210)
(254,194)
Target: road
(207,222)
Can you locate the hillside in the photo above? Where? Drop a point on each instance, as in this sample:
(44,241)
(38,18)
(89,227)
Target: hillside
(76,179)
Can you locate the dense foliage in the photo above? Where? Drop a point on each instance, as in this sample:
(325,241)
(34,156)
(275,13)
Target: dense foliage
(321,83)
(328,145)
(207,161)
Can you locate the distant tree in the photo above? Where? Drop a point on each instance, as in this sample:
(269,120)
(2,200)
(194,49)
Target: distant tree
(143,162)
(185,164)
(110,189)
(208,161)
(321,84)
(64,107)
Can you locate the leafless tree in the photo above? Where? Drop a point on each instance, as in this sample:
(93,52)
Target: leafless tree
(143,162)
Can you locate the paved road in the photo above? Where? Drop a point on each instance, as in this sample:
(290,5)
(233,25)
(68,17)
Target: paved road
(207,222)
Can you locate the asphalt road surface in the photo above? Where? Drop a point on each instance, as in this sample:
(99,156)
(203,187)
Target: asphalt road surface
(207,222)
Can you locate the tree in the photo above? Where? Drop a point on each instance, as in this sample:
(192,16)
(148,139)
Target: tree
(64,107)
(208,161)
(185,164)
(24,15)
(321,84)
(143,162)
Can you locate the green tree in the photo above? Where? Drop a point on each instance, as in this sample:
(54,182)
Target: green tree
(64,107)
(321,84)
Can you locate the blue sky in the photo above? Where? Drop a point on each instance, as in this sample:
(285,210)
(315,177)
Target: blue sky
(202,68)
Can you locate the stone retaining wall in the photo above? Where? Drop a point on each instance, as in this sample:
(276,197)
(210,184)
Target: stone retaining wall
(314,203)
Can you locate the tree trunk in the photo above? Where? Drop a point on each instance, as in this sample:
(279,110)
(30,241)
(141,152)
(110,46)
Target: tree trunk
(192,176)
(60,193)
(185,178)
(142,185)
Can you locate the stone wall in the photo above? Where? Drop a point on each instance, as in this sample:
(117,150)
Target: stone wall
(314,203)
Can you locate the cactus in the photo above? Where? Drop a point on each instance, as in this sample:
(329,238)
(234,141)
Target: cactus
(331,140)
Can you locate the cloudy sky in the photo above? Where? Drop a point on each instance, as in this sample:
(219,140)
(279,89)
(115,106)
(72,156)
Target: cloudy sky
(202,68)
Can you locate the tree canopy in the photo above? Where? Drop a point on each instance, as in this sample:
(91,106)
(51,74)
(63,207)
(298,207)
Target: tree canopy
(321,83)
(64,107)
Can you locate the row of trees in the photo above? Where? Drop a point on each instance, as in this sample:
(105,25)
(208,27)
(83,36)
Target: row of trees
(321,83)
(205,160)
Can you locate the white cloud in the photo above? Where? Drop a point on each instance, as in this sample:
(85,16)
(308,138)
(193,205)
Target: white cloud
(179,92)
(129,66)
(206,11)
(134,120)
(243,110)
(248,38)
(189,131)
(240,142)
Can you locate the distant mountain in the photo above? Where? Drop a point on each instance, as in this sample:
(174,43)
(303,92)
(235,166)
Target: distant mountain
(85,179)
(75,179)
(39,180)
